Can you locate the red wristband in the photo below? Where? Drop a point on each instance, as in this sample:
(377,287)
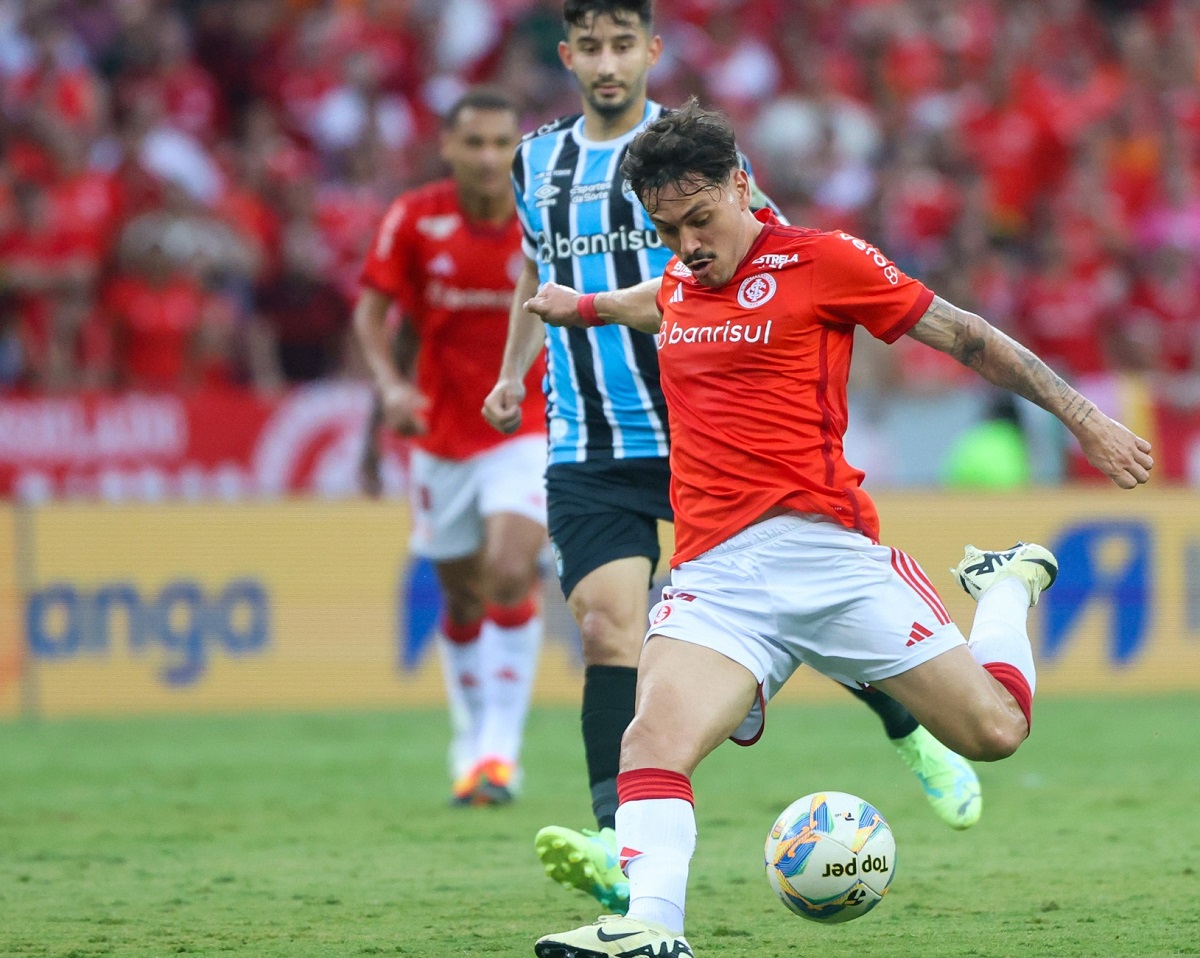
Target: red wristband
(586,307)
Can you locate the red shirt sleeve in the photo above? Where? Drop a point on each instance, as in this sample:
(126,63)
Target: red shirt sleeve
(855,283)
(391,264)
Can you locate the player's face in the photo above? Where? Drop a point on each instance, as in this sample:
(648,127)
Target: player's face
(479,151)
(708,228)
(610,61)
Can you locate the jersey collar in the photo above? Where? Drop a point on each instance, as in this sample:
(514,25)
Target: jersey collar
(650,113)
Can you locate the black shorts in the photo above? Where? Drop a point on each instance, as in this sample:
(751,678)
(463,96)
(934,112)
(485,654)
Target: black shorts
(605,510)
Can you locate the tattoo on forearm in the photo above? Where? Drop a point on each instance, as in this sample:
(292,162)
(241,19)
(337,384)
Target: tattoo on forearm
(1001,360)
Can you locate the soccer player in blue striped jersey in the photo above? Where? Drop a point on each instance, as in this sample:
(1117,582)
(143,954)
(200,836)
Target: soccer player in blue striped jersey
(607,481)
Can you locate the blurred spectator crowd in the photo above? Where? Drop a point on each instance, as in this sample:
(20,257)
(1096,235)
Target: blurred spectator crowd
(187,189)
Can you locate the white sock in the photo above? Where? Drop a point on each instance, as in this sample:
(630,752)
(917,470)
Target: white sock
(509,664)
(1000,631)
(661,834)
(464,692)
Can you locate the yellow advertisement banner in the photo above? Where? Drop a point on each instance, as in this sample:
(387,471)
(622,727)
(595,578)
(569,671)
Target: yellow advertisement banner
(308,605)
(295,605)
(12,640)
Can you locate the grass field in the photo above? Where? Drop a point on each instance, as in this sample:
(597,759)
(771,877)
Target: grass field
(329,836)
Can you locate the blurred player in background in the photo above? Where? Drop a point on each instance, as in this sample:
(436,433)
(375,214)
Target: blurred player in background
(448,256)
(777,561)
(608,479)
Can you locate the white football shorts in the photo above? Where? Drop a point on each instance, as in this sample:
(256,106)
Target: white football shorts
(799,590)
(451,498)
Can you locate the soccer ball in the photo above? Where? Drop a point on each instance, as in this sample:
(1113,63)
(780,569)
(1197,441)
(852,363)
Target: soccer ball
(830,857)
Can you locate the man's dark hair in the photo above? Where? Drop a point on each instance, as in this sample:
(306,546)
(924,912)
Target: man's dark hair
(691,149)
(479,98)
(579,13)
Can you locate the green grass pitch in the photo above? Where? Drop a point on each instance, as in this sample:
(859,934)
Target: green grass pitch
(329,835)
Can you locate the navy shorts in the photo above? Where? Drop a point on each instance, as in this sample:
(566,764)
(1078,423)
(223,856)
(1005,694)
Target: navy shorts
(605,510)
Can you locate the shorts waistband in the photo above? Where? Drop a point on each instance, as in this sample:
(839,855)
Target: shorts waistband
(765,531)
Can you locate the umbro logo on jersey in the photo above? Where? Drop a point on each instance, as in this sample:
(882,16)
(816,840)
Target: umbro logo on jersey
(545,194)
(442,265)
(757,290)
(677,296)
(776,260)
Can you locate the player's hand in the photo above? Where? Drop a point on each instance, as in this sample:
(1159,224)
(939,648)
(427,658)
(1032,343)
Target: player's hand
(502,408)
(1114,450)
(556,305)
(404,409)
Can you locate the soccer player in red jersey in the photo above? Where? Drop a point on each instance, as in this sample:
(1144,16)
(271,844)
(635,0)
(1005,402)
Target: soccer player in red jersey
(777,560)
(448,255)
(608,483)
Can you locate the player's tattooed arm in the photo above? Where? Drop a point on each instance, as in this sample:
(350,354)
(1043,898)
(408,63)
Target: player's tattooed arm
(1001,360)
(997,358)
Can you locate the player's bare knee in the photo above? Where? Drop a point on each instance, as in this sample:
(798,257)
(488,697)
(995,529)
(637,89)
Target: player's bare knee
(995,741)
(510,582)
(607,641)
(463,606)
(646,746)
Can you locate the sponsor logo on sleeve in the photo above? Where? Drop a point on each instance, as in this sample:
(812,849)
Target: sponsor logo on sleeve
(890,273)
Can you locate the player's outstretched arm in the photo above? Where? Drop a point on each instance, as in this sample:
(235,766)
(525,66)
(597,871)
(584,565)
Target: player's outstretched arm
(526,340)
(634,306)
(1110,447)
(403,405)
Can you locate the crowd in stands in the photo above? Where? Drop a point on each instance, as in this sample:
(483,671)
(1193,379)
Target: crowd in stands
(187,188)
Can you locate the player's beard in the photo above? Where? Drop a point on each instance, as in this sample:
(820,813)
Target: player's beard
(611,109)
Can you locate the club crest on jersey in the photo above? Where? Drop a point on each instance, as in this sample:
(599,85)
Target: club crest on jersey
(756,290)
(680,270)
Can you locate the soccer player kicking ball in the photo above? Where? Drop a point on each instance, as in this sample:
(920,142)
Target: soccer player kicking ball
(607,482)
(777,560)
(449,255)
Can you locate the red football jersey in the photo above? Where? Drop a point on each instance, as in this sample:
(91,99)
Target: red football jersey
(454,280)
(157,323)
(755,373)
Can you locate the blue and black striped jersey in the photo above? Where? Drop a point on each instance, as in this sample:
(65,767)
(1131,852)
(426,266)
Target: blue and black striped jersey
(585,230)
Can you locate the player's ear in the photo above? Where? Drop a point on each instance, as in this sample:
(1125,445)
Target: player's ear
(741,188)
(565,54)
(654,49)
